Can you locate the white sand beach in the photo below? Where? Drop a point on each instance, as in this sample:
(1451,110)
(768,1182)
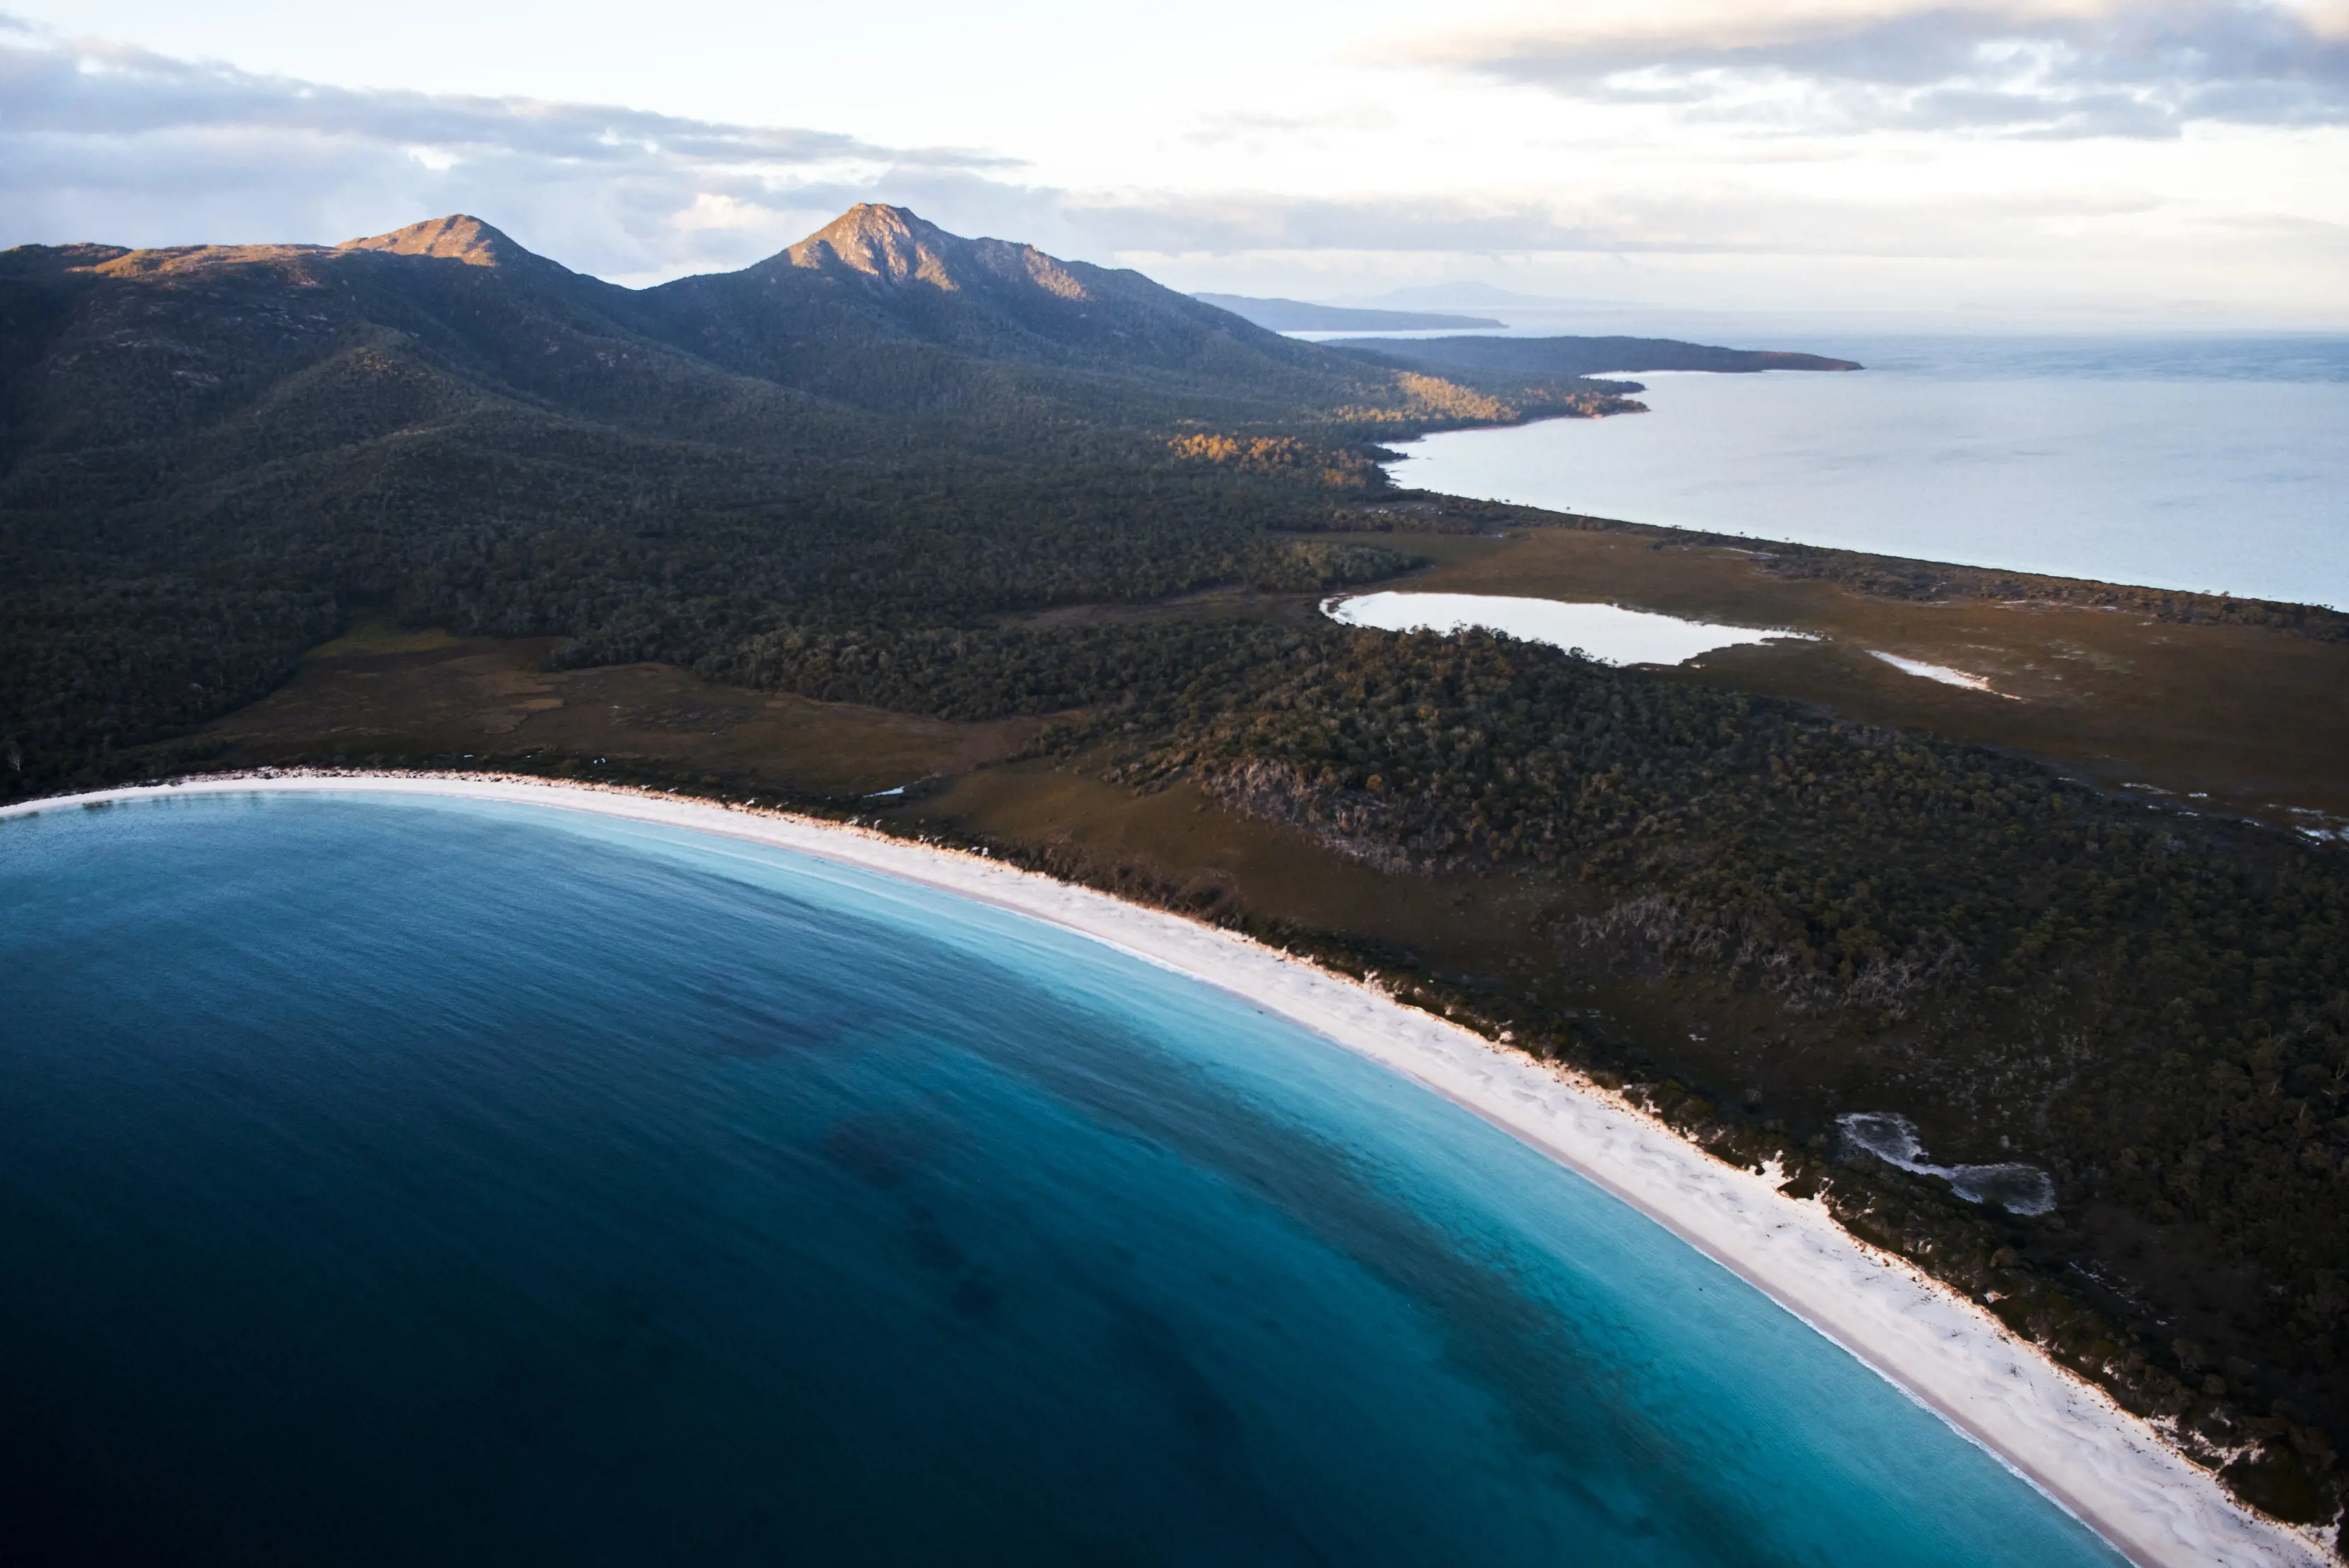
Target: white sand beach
(2068,1437)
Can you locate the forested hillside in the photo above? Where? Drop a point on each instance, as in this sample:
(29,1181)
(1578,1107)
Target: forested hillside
(209,455)
(858,471)
(2151,1005)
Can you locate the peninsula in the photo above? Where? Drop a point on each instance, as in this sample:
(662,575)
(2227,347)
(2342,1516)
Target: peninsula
(972,544)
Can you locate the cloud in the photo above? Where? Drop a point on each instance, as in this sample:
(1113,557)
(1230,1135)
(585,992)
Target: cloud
(100,140)
(105,143)
(1250,125)
(1723,218)
(2042,68)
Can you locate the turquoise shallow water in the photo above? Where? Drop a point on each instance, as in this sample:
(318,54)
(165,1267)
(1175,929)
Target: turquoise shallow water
(400,1181)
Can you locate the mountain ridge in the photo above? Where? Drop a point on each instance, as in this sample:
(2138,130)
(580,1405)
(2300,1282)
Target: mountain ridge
(941,477)
(895,245)
(879,311)
(459,237)
(908,287)
(884,420)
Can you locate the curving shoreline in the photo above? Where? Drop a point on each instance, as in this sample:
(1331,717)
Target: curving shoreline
(2067,1438)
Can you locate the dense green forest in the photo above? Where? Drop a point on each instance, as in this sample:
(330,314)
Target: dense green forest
(2152,1006)
(207,457)
(856,472)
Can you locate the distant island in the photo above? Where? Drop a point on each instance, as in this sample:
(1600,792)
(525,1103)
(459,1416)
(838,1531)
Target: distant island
(1301,315)
(1577,355)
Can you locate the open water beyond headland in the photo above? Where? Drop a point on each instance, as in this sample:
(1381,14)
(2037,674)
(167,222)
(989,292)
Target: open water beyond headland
(412,1180)
(2210,464)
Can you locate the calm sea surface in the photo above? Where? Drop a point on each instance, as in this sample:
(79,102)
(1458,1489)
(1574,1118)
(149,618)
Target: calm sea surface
(2218,464)
(392,1181)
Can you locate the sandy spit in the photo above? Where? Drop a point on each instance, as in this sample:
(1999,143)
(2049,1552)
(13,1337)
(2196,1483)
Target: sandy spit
(2061,1433)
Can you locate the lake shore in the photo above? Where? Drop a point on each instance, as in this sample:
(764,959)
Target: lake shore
(2067,1438)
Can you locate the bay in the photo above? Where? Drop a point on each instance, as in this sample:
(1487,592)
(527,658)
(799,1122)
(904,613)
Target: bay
(2211,465)
(404,1180)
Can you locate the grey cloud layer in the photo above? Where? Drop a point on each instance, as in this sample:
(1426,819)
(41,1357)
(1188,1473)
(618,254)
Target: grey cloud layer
(1720,219)
(101,141)
(110,90)
(2138,67)
(108,144)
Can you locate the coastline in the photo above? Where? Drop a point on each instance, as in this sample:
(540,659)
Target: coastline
(2066,1437)
(2124,531)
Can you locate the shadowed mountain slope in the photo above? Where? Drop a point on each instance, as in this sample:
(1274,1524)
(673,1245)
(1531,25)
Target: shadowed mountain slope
(852,473)
(289,382)
(883,308)
(883,421)
(879,313)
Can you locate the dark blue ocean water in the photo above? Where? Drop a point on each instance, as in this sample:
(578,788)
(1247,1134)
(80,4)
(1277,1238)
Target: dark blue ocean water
(399,1182)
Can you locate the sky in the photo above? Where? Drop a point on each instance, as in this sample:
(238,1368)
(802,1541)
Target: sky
(2090,164)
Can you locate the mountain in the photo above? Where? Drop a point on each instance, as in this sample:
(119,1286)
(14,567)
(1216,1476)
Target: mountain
(1573,357)
(857,471)
(1297,316)
(130,377)
(460,237)
(882,308)
(126,375)
(878,313)
(209,453)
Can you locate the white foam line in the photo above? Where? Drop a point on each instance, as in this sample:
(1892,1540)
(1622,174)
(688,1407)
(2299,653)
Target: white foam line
(2061,1433)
